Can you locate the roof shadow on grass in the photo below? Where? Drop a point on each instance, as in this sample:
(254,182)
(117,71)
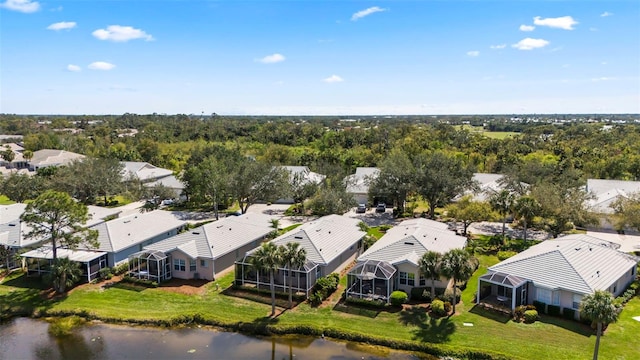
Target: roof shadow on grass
(371,312)
(490,314)
(571,325)
(429,329)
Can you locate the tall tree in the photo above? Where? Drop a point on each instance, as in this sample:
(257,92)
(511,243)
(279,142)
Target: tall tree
(294,257)
(395,180)
(599,307)
(8,155)
(502,202)
(526,208)
(209,181)
(267,258)
(430,268)
(439,178)
(57,218)
(563,206)
(627,212)
(253,181)
(90,178)
(20,187)
(332,198)
(456,264)
(469,211)
(302,188)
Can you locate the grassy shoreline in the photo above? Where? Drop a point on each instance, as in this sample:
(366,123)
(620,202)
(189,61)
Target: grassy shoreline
(492,337)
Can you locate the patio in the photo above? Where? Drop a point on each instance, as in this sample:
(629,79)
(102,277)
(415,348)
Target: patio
(371,279)
(150,265)
(502,291)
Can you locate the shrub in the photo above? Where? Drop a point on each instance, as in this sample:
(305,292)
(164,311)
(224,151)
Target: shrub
(531,307)
(384,228)
(626,296)
(568,313)
(437,308)
(553,310)
(504,255)
(530,316)
(518,313)
(324,287)
(398,298)
(141,282)
(376,304)
(420,294)
(64,326)
(315,299)
(540,306)
(121,269)
(447,307)
(448,295)
(106,273)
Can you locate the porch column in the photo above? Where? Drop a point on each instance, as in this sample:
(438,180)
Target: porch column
(477,292)
(513,298)
(89,271)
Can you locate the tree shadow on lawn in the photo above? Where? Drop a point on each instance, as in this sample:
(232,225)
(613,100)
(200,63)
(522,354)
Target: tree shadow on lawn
(490,314)
(34,295)
(429,329)
(571,325)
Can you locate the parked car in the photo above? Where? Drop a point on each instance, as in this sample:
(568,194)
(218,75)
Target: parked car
(361,209)
(381,207)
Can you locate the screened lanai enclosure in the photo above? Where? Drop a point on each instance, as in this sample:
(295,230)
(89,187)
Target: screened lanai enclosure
(153,265)
(502,290)
(371,279)
(302,279)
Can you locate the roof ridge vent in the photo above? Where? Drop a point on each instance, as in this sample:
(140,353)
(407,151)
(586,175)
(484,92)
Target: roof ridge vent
(196,233)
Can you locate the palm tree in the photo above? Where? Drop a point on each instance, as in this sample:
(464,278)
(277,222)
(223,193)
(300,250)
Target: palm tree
(64,274)
(502,202)
(267,258)
(430,268)
(456,264)
(599,308)
(294,257)
(526,208)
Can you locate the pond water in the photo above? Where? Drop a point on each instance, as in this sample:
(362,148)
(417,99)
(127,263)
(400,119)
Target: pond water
(25,338)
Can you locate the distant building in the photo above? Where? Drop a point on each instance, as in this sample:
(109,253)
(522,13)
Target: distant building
(48,157)
(358,183)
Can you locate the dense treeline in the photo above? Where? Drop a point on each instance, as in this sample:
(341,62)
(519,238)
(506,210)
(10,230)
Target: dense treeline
(591,150)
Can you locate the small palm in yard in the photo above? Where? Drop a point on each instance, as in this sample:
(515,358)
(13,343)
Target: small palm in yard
(430,268)
(64,274)
(599,308)
(294,257)
(268,258)
(456,264)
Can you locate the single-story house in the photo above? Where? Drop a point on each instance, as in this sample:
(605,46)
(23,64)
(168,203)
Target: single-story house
(171,182)
(18,162)
(143,171)
(49,157)
(605,193)
(331,243)
(39,261)
(305,175)
(358,183)
(13,230)
(126,235)
(558,272)
(209,250)
(393,262)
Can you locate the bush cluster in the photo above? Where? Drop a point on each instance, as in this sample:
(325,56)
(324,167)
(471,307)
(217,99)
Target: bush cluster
(106,273)
(530,316)
(448,295)
(540,306)
(568,313)
(420,294)
(142,282)
(625,297)
(398,298)
(553,310)
(121,269)
(375,304)
(437,308)
(324,287)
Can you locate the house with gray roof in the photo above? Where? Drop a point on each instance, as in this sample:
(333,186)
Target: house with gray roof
(171,182)
(210,250)
(302,174)
(143,171)
(558,272)
(358,183)
(604,193)
(393,262)
(126,235)
(49,157)
(331,243)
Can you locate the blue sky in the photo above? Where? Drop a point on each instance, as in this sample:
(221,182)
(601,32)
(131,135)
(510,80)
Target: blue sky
(328,57)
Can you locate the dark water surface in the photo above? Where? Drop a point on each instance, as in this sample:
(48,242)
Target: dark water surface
(25,338)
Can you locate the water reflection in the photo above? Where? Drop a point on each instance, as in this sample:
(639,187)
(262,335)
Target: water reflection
(29,339)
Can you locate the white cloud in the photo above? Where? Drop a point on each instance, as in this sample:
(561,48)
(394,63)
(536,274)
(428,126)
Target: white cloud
(121,34)
(530,44)
(362,13)
(25,6)
(473,53)
(101,65)
(527,27)
(74,68)
(606,13)
(603,78)
(497,47)
(333,79)
(63,25)
(272,59)
(563,22)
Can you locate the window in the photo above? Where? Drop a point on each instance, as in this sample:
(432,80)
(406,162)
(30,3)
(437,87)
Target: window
(422,280)
(203,263)
(179,265)
(633,271)
(192,265)
(576,301)
(403,278)
(318,272)
(543,295)
(412,279)
(556,298)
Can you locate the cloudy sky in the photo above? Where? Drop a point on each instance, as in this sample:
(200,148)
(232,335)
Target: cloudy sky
(319,57)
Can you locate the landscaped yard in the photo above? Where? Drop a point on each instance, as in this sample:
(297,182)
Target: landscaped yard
(550,338)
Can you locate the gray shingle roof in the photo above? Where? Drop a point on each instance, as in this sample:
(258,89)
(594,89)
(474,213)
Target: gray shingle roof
(410,239)
(121,233)
(326,238)
(218,238)
(577,263)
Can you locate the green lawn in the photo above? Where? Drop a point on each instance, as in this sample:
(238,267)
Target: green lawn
(4,200)
(490,134)
(550,338)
